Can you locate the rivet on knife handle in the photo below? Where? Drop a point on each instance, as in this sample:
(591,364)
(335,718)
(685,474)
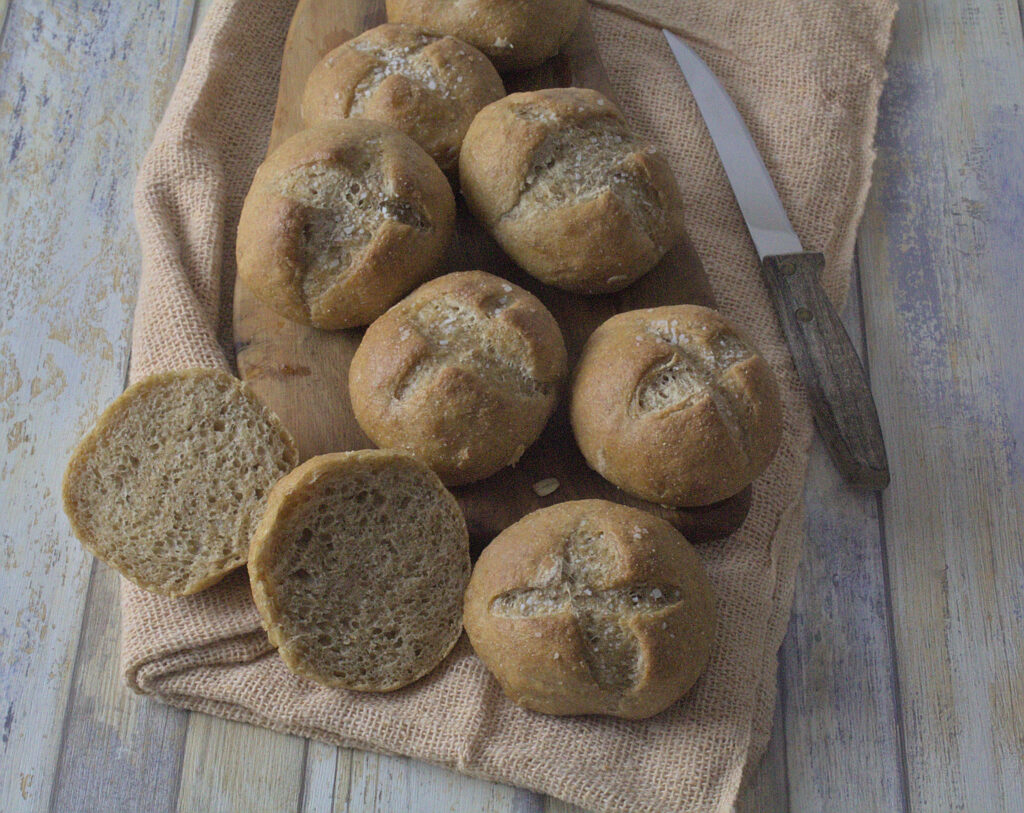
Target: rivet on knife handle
(829,367)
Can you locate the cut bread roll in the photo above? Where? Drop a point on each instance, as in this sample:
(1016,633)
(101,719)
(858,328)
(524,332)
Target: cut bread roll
(358,569)
(168,485)
(341,221)
(463,374)
(589,607)
(515,34)
(675,405)
(426,86)
(568,191)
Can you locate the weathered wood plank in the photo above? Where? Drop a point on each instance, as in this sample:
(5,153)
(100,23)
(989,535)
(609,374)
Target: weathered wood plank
(318,780)
(235,768)
(764,788)
(81,85)
(837,683)
(382,783)
(943,301)
(121,752)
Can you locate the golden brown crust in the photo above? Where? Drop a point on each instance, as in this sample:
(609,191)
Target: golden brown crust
(463,374)
(675,405)
(515,34)
(589,607)
(93,516)
(426,86)
(568,191)
(275,536)
(341,221)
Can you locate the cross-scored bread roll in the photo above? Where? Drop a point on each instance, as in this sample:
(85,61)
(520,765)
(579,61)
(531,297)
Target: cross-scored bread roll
(568,191)
(463,374)
(675,405)
(426,86)
(515,34)
(341,221)
(168,485)
(589,607)
(358,569)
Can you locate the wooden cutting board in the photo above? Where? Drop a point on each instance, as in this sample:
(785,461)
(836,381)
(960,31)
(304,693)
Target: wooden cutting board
(302,373)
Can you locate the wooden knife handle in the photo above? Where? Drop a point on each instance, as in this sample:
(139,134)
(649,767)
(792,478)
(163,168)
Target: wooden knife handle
(829,367)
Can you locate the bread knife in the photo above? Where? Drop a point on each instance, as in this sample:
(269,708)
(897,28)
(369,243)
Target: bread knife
(824,357)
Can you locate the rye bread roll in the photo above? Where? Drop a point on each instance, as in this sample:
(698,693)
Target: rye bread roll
(168,485)
(428,87)
(463,374)
(590,607)
(358,568)
(341,221)
(560,181)
(675,405)
(515,34)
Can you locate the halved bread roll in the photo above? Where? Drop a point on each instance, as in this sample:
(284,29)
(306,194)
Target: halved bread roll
(358,569)
(168,485)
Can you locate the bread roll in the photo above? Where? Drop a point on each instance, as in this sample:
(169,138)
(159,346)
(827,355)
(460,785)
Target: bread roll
(428,87)
(341,222)
(675,405)
(568,191)
(463,373)
(515,34)
(358,568)
(168,485)
(590,607)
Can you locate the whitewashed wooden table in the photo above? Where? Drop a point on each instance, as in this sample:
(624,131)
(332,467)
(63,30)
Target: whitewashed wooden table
(901,678)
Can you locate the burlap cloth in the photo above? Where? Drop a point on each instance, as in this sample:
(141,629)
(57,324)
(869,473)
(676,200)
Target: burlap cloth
(806,74)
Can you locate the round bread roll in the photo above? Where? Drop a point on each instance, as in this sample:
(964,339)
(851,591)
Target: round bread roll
(342,221)
(168,485)
(358,568)
(515,34)
(590,607)
(568,191)
(463,373)
(675,405)
(428,87)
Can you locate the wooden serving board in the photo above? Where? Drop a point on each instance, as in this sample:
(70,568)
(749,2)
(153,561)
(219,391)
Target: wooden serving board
(302,372)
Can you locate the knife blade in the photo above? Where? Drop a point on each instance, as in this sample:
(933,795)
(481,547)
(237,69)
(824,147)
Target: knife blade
(825,359)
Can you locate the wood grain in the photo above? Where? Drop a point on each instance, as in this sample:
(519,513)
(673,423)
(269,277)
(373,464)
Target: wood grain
(836,680)
(940,255)
(231,767)
(828,365)
(120,751)
(81,88)
(301,372)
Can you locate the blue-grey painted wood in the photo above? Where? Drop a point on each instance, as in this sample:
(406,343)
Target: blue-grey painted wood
(120,751)
(940,257)
(764,788)
(838,690)
(81,86)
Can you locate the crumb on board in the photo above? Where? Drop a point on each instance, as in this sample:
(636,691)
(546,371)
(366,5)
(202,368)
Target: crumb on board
(543,488)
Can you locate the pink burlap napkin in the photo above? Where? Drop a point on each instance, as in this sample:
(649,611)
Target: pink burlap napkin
(806,74)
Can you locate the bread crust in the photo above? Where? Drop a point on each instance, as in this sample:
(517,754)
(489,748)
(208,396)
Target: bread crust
(568,191)
(675,405)
(463,374)
(554,651)
(514,34)
(341,221)
(272,539)
(87,514)
(428,87)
